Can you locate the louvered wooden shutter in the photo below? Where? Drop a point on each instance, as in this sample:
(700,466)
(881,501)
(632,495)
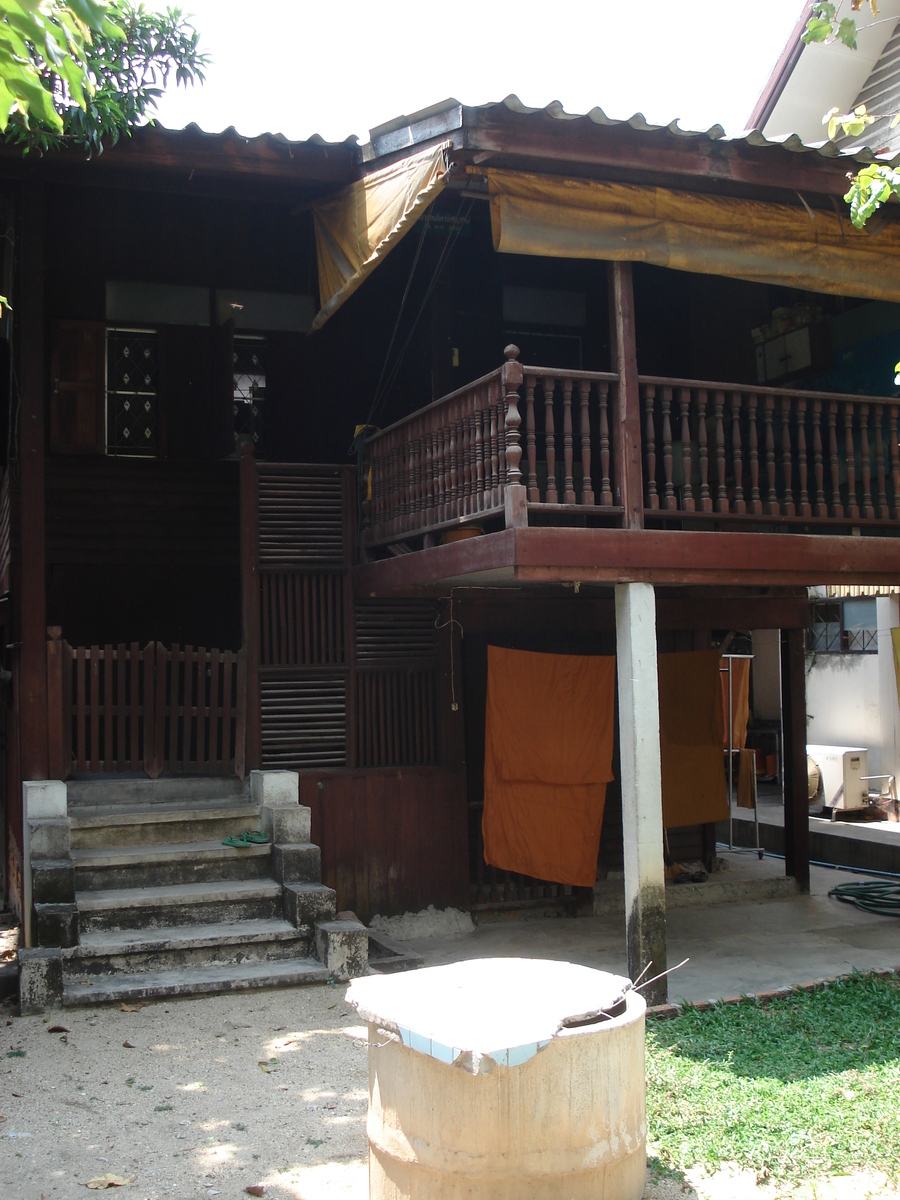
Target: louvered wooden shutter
(305,614)
(396,681)
(78,388)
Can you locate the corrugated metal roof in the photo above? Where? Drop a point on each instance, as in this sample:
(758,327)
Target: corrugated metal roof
(389,137)
(232,134)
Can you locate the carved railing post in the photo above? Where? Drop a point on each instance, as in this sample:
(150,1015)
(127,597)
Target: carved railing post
(515,497)
(58,768)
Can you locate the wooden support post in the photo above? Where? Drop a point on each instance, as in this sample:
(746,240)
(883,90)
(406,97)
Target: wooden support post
(249,497)
(627,420)
(641,779)
(32,626)
(793,721)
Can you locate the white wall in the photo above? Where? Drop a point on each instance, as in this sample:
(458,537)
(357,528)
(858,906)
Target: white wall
(843,702)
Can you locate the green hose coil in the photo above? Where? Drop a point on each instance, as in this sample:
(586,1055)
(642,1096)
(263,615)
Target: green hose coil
(877,896)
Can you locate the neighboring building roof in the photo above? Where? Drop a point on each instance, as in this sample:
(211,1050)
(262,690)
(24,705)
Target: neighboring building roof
(808,81)
(881,96)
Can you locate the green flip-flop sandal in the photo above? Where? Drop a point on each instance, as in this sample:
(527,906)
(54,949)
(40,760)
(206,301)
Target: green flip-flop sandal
(250,837)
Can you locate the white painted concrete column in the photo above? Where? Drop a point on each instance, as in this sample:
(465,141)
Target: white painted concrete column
(887,610)
(641,780)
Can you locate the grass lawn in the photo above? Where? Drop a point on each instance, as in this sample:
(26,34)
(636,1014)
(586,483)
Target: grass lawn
(805,1086)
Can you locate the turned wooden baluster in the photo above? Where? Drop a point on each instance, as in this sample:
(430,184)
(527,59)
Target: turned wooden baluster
(530,446)
(478,418)
(475,441)
(427,466)
(850,457)
(837,508)
(772,505)
(495,445)
(819,460)
(568,444)
(670,499)
(650,437)
(883,511)
(449,512)
(756,505)
(550,432)
(415,476)
(740,504)
(587,489)
(467,464)
(687,494)
(437,440)
(722,495)
(605,486)
(868,508)
(802,460)
(706,504)
(389,483)
(895,459)
(787,469)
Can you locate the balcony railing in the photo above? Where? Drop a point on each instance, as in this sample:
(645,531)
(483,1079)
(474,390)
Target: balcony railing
(529,443)
(768,454)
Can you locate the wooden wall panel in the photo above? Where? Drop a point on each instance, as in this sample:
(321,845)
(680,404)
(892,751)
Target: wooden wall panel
(119,511)
(392,841)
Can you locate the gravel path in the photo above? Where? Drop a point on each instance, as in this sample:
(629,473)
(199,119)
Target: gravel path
(209,1096)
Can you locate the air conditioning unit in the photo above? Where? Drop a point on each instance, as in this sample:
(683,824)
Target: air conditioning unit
(843,770)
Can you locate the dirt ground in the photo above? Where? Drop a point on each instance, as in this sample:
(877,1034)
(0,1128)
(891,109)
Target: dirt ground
(207,1096)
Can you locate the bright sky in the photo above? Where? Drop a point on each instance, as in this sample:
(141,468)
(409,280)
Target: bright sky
(341,68)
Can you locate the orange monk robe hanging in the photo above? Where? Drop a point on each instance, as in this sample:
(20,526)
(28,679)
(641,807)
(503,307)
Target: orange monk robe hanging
(690,739)
(740,701)
(547,761)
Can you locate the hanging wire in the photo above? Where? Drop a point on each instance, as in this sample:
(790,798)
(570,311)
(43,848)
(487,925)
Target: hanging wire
(449,624)
(387,383)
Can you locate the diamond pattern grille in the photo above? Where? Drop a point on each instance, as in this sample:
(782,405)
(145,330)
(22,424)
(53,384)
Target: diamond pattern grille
(250,392)
(132,372)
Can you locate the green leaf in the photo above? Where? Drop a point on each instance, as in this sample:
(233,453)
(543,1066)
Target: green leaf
(817,30)
(846,32)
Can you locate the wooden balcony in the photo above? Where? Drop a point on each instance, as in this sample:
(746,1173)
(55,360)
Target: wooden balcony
(683,473)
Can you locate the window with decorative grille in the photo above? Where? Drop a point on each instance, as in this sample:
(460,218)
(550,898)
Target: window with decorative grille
(250,392)
(132,400)
(843,626)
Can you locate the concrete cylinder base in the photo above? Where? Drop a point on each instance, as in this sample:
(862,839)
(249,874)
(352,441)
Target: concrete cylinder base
(567,1124)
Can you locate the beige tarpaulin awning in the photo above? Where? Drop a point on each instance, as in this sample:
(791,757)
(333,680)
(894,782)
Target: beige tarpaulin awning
(356,228)
(712,235)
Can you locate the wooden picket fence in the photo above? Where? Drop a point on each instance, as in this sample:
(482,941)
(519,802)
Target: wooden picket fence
(124,707)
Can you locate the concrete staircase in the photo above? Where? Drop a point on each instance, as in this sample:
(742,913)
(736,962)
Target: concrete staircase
(163,908)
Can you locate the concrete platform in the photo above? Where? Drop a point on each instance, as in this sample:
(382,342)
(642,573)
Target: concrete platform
(756,941)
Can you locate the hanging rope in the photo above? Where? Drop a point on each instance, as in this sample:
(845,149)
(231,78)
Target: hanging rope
(878,896)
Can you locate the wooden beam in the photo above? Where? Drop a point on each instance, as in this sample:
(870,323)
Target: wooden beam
(626,425)
(549,144)
(687,557)
(32,398)
(658,556)
(793,719)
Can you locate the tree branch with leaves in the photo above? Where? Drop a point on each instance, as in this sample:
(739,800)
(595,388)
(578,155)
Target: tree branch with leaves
(85,72)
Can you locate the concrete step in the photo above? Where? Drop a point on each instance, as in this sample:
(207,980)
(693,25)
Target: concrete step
(132,951)
(194,981)
(179,904)
(171,789)
(166,865)
(102,825)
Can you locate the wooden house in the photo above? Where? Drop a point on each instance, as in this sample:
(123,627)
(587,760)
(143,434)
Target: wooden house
(296,430)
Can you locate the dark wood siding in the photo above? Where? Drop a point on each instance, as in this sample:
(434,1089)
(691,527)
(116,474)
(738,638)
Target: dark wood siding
(392,841)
